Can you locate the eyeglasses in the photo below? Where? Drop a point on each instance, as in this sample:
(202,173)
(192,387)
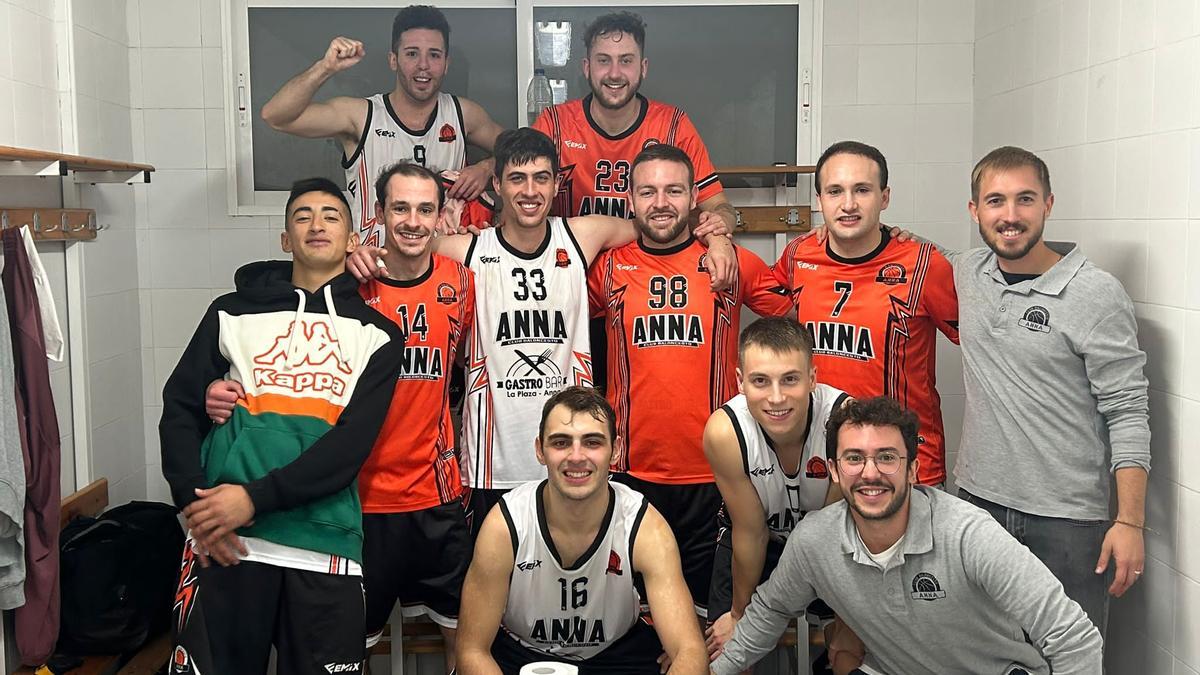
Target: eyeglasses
(886,462)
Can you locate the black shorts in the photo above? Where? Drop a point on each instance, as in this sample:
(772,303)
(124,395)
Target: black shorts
(634,653)
(420,559)
(478,502)
(227,618)
(691,511)
(720,593)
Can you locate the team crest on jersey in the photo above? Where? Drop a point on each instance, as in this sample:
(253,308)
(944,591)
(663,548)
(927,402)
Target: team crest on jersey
(180,661)
(561,259)
(649,142)
(446,294)
(816,468)
(702,263)
(614,564)
(925,586)
(1036,319)
(891,274)
(447,134)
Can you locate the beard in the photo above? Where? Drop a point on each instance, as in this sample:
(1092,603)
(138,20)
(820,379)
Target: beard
(600,95)
(662,236)
(899,497)
(1004,249)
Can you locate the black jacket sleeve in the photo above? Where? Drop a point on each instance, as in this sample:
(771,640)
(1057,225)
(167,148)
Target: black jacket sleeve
(333,461)
(184,424)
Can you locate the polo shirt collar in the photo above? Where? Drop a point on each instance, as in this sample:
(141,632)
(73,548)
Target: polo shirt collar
(1054,280)
(918,536)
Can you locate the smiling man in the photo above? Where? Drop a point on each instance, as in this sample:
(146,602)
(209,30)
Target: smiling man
(900,562)
(552,579)
(416,121)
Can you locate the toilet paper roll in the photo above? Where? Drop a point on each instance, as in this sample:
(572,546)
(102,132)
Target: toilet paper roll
(548,668)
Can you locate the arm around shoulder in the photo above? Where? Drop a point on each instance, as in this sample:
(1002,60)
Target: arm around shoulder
(484,597)
(656,558)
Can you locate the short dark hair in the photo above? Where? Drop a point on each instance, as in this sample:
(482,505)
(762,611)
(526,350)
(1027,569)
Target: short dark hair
(420,16)
(410,170)
(522,146)
(880,411)
(616,22)
(318,184)
(853,148)
(1006,158)
(777,333)
(665,153)
(581,399)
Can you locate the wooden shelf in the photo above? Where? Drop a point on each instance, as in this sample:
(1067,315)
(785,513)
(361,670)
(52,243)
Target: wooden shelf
(24,162)
(773,170)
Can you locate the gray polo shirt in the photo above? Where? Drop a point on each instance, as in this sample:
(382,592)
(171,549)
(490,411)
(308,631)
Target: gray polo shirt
(955,600)
(1056,397)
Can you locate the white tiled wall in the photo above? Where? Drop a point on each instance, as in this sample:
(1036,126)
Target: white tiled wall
(1108,93)
(898,74)
(188,246)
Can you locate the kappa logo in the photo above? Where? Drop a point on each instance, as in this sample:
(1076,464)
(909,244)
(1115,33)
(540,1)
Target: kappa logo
(385,133)
(925,586)
(576,145)
(561,259)
(891,274)
(1036,319)
(447,134)
(529,565)
(816,468)
(614,563)
(446,294)
(316,343)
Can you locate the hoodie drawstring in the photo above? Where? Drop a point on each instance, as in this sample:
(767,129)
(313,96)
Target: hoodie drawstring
(333,319)
(297,325)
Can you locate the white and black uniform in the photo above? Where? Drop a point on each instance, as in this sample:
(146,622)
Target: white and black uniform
(571,613)
(786,498)
(529,342)
(440,146)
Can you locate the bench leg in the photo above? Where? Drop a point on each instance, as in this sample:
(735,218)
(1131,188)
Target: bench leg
(397,652)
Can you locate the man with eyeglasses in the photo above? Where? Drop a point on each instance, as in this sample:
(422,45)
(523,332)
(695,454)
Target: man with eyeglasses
(909,562)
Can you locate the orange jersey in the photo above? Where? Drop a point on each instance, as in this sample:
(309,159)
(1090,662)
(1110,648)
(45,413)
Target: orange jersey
(672,350)
(413,465)
(595,167)
(874,321)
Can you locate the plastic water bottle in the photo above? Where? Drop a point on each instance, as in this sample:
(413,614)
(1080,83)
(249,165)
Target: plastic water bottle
(539,97)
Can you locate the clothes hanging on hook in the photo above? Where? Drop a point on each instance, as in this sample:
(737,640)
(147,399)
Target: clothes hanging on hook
(50,327)
(12,473)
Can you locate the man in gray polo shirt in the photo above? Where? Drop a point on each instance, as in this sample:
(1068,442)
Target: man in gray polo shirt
(930,583)
(1056,403)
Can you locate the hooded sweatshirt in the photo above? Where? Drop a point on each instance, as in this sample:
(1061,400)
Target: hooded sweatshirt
(318,370)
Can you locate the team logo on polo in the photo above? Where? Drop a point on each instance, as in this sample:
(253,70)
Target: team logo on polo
(446,294)
(532,374)
(1036,319)
(816,468)
(891,274)
(925,586)
(446,134)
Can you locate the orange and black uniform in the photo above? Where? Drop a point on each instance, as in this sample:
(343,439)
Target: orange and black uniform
(416,544)
(874,321)
(595,166)
(672,357)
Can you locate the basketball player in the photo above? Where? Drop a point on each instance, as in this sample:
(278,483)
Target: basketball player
(271,495)
(530,335)
(672,350)
(552,576)
(873,304)
(931,583)
(416,542)
(415,121)
(767,451)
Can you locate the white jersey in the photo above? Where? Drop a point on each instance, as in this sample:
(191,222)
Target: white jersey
(529,342)
(440,146)
(786,497)
(571,613)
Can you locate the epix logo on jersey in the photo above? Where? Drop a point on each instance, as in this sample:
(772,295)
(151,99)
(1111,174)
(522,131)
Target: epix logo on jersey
(841,339)
(533,374)
(661,330)
(314,340)
(446,134)
(531,325)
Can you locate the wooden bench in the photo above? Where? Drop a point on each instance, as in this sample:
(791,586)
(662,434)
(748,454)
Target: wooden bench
(91,502)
